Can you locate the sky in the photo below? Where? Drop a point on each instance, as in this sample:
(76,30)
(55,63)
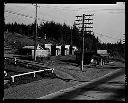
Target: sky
(108,20)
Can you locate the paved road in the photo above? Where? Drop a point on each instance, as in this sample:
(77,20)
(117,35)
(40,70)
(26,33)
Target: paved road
(113,89)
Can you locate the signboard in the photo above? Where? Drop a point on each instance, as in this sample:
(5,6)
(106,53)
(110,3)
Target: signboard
(102,52)
(41,53)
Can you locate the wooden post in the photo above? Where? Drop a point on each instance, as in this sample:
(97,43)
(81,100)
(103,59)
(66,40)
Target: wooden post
(35,46)
(82,61)
(52,70)
(34,74)
(12,79)
(101,61)
(15,61)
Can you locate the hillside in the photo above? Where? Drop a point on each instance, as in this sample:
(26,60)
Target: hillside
(15,40)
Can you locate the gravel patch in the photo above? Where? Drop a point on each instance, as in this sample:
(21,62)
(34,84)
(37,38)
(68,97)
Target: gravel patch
(87,75)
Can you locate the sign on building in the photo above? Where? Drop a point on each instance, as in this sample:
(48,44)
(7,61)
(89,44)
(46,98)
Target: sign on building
(41,53)
(101,51)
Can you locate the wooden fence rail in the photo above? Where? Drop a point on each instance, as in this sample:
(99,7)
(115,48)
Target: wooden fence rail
(34,72)
(28,64)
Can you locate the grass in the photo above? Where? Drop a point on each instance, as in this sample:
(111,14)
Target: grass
(16,69)
(42,85)
(16,41)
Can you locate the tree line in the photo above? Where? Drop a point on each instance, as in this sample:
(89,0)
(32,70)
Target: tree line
(64,34)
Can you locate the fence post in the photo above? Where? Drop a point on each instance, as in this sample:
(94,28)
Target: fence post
(12,79)
(5,73)
(52,70)
(34,74)
(101,62)
(15,60)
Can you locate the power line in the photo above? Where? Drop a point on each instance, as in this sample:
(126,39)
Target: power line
(27,16)
(23,15)
(108,37)
(77,9)
(81,8)
(66,7)
(56,6)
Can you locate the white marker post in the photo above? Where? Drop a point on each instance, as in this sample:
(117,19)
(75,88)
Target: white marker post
(15,61)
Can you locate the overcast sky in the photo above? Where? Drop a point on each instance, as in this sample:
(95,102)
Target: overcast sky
(108,20)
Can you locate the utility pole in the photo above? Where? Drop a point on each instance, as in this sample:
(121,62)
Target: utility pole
(84,31)
(28,31)
(70,48)
(124,43)
(123,38)
(71,35)
(82,62)
(61,36)
(35,46)
(45,36)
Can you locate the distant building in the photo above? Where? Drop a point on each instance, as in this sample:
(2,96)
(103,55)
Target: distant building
(47,50)
(58,50)
(48,46)
(67,49)
(29,51)
(74,48)
(103,56)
